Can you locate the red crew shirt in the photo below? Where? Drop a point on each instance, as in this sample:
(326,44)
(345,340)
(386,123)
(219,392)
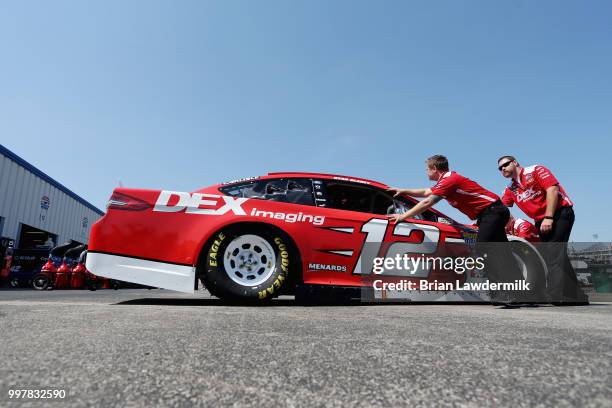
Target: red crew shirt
(525,229)
(464,194)
(528,191)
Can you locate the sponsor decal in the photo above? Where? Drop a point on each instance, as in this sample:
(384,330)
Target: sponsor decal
(289,217)
(278,282)
(45,203)
(199,203)
(240,180)
(213,204)
(326,267)
(527,195)
(376,229)
(542,172)
(214,249)
(24,257)
(352,180)
(469,237)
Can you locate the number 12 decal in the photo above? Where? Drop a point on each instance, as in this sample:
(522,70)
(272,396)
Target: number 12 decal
(376,229)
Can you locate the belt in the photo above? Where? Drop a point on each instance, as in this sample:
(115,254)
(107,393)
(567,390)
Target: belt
(490,207)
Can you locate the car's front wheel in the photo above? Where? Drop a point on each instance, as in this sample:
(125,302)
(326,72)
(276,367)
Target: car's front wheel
(533,268)
(247,264)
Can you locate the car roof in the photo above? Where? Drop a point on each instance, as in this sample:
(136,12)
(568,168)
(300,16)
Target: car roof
(326,176)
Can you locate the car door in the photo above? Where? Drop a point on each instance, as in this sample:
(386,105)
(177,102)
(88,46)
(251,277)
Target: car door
(357,231)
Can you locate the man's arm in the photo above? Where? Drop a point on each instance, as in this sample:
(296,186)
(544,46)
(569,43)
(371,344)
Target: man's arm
(507,198)
(413,192)
(552,200)
(419,208)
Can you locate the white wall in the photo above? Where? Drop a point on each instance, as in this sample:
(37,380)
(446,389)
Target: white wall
(20,202)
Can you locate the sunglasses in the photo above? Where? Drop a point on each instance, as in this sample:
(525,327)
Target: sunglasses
(503,166)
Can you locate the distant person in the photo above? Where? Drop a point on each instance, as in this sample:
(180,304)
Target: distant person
(536,191)
(475,202)
(522,229)
(5,267)
(49,243)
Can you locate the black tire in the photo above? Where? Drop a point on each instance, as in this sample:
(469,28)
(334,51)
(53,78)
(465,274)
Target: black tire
(217,279)
(90,284)
(41,281)
(533,268)
(14,283)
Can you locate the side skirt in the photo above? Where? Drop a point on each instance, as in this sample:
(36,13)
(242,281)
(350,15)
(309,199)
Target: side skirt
(163,275)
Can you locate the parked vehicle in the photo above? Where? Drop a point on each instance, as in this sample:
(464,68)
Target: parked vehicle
(256,238)
(53,273)
(25,265)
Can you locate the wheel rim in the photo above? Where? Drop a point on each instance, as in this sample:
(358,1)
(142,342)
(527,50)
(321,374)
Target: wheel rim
(249,260)
(522,265)
(40,282)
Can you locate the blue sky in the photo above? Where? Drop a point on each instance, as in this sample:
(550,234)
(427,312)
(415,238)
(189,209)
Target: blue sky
(180,95)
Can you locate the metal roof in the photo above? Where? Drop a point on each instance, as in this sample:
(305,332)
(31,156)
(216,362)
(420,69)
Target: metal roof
(12,156)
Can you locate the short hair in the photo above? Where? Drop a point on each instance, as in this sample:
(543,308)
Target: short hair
(511,158)
(441,162)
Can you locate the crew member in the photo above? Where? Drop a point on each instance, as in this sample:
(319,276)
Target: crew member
(523,229)
(474,201)
(5,267)
(536,191)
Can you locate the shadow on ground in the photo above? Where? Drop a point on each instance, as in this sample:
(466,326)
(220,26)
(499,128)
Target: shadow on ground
(293,302)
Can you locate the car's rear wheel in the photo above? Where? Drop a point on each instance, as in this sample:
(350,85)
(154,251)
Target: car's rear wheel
(246,264)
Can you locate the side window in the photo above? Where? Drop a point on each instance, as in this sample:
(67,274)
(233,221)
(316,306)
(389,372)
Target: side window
(247,190)
(371,200)
(299,191)
(344,196)
(402,205)
(295,191)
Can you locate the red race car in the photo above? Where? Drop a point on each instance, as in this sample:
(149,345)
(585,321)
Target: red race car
(284,233)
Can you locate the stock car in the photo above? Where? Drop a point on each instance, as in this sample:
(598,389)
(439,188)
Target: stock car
(296,233)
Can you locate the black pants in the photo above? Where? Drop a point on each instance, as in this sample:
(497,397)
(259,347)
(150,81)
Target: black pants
(562,284)
(500,263)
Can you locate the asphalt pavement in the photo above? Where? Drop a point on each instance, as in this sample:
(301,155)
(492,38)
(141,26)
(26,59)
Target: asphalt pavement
(143,348)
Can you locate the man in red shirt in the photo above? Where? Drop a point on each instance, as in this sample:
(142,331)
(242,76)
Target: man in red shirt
(522,229)
(536,191)
(474,201)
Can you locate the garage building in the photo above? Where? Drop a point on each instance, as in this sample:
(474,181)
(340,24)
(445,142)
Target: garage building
(36,211)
